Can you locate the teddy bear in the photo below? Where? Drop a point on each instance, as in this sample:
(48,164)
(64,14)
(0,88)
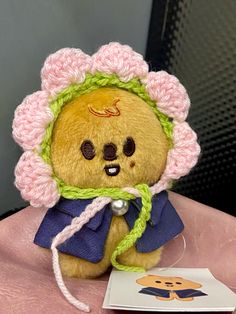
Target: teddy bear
(103,139)
(170,288)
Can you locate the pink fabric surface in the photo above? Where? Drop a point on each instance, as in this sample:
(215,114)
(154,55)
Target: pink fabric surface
(27,283)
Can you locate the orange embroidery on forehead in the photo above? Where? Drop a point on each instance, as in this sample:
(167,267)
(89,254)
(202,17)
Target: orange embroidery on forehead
(106,112)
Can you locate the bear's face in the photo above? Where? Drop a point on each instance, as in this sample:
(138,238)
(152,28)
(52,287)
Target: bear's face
(108,138)
(167,283)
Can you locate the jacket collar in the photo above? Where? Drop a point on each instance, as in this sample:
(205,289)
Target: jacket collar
(74,208)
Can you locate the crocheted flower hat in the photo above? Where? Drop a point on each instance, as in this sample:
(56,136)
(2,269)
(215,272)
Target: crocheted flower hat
(68,73)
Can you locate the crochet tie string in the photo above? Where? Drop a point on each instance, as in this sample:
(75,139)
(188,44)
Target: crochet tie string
(103,197)
(136,232)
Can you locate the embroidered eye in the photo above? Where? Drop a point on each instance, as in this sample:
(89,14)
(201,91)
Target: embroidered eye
(178,283)
(158,281)
(129,147)
(87,149)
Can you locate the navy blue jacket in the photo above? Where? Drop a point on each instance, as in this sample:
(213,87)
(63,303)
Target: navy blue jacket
(89,242)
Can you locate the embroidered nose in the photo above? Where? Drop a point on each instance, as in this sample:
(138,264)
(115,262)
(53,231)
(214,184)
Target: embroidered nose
(109,151)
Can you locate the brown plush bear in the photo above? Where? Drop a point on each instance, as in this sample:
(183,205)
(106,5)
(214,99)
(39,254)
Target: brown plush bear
(170,288)
(102,141)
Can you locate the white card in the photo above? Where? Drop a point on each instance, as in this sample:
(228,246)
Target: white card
(168,290)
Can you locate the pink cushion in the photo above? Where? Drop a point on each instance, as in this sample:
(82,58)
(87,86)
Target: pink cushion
(27,282)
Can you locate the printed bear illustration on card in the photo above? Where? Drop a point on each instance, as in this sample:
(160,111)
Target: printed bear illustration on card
(170,288)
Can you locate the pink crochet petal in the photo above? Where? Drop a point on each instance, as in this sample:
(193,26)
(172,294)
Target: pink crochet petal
(31,118)
(170,95)
(64,67)
(182,157)
(34,180)
(115,58)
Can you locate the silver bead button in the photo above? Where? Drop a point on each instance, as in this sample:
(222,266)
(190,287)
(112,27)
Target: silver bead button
(119,207)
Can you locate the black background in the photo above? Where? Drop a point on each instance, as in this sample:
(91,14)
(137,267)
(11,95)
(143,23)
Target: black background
(196,41)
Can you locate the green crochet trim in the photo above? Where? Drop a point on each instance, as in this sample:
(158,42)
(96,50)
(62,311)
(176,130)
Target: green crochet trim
(72,192)
(91,83)
(136,232)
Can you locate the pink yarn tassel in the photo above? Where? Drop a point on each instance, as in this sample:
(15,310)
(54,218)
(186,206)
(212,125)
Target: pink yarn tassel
(76,224)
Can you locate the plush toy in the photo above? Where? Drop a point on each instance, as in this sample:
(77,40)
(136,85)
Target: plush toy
(102,141)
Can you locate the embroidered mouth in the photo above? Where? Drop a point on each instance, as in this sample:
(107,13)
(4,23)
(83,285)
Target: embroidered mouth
(112,170)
